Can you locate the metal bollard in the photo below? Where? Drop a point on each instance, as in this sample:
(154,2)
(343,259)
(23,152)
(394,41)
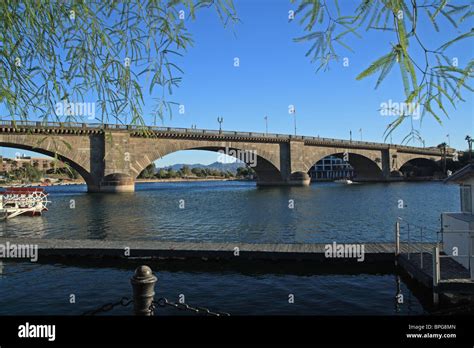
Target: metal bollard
(143,285)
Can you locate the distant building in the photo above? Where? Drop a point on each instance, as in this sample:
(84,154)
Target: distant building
(331,168)
(44,164)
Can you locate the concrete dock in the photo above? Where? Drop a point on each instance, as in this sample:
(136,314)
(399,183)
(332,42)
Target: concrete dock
(373,252)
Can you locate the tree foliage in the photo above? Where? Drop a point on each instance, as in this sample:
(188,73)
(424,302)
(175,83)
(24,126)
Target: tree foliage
(429,82)
(74,50)
(148,172)
(26,172)
(70,51)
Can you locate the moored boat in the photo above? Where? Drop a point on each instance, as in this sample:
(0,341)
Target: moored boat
(16,201)
(344,181)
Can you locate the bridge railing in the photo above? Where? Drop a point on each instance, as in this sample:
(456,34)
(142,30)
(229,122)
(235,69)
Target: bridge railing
(358,142)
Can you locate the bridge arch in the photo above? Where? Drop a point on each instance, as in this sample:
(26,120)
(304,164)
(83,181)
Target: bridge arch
(419,167)
(365,167)
(83,172)
(421,160)
(262,160)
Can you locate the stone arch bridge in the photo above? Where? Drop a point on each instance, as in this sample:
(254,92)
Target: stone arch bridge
(110,157)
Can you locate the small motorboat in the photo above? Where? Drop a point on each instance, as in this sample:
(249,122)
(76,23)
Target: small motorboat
(16,201)
(344,181)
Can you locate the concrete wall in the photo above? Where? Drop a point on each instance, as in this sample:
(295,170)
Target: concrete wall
(458,234)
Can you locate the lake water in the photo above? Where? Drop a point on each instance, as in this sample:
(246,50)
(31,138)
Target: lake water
(225,211)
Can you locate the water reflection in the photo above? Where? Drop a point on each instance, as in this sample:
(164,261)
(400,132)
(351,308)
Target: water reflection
(238,211)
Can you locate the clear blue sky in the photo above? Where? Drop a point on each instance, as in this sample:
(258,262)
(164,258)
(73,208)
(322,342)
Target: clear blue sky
(275,73)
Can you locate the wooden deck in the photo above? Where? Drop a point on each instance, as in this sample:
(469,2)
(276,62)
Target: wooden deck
(373,252)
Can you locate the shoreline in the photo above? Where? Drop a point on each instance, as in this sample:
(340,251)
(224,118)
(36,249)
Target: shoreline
(69,183)
(187,180)
(177,180)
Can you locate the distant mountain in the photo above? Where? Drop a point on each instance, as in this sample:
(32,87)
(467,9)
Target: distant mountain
(232,167)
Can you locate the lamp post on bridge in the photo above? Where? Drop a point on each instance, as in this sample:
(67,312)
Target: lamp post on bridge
(295,123)
(350,135)
(390,126)
(293,112)
(220,120)
(266,125)
(360,131)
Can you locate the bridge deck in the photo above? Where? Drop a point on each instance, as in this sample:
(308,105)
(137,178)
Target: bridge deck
(204,250)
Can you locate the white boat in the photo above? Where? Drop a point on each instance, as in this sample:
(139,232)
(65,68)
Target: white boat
(16,201)
(344,181)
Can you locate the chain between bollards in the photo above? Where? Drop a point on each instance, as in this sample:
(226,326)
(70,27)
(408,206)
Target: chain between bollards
(162,302)
(143,285)
(124,302)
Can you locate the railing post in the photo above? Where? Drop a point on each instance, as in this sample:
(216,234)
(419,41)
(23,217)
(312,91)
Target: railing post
(409,241)
(436,274)
(421,247)
(143,285)
(397,238)
(471,256)
(436,267)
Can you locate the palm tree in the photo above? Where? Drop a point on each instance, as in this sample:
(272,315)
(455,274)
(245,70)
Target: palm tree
(469,143)
(443,147)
